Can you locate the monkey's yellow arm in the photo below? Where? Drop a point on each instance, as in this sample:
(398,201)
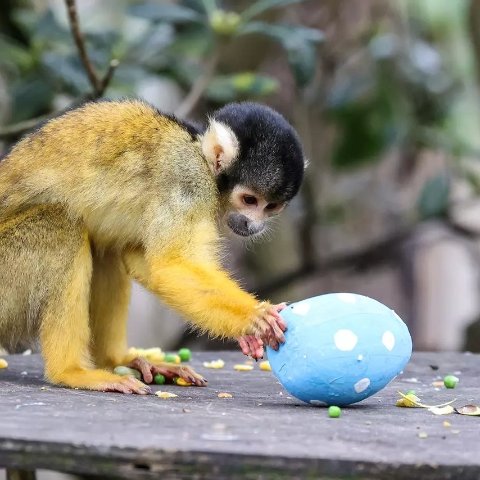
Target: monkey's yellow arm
(188,278)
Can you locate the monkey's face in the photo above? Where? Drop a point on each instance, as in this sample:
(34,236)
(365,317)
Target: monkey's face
(247,212)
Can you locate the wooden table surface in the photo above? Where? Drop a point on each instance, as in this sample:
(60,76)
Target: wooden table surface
(260,433)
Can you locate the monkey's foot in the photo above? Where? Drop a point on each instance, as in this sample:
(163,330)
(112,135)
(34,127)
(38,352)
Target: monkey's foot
(168,370)
(100,380)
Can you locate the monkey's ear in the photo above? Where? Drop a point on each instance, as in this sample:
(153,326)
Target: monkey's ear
(220,146)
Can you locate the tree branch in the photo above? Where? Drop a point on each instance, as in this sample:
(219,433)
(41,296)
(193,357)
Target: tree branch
(199,86)
(99,85)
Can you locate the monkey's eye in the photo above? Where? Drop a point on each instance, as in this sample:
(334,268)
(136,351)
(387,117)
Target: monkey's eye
(271,206)
(249,200)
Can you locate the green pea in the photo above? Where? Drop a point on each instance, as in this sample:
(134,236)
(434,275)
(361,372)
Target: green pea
(172,358)
(123,371)
(450,381)
(410,392)
(334,412)
(159,379)
(185,354)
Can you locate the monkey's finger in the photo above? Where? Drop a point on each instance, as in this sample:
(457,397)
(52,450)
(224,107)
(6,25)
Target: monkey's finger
(242,342)
(192,377)
(256,347)
(275,329)
(137,386)
(279,320)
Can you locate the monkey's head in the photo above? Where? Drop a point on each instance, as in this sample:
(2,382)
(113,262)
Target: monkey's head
(258,162)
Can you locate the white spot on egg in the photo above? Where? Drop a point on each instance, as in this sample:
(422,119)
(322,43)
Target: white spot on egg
(318,403)
(345,340)
(301,308)
(347,297)
(388,340)
(360,358)
(362,385)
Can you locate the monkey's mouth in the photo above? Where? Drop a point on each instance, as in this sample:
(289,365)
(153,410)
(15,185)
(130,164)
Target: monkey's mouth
(243,230)
(240,232)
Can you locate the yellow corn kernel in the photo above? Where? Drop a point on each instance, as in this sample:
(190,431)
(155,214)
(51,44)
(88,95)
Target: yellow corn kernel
(241,367)
(181,382)
(3,363)
(165,394)
(265,365)
(214,364)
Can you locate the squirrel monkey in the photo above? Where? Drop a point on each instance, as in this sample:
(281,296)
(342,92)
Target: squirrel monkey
(116,190)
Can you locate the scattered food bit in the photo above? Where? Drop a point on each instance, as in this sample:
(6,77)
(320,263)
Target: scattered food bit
(172,358)
(265,365)
(181,382)
(24,373)
(159,379)
(3,363)
(450,381)
(153,355)
(334,412)
(434,367)
(186,410)
(161,394)
(409,400)
(437,383)
(214,364)
(248,362)
(473,410)
(224,395)
(123,371)
(446,410)
(411,380)
(455,432)
(446,424)
(422,435)
(411,392)
(185,354)
(241,367)
(414,401)
(43,388)
(27,352)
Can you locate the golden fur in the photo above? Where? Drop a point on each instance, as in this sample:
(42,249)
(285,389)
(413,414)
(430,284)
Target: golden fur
(102,194)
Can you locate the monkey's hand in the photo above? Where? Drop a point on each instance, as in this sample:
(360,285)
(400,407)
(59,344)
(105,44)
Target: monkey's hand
(268,328)
(168,370)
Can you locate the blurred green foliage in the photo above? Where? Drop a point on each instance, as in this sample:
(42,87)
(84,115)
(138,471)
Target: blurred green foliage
(166,39)
(393,90)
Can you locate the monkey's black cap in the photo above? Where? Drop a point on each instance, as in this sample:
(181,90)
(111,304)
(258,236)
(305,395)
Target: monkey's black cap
(270,159)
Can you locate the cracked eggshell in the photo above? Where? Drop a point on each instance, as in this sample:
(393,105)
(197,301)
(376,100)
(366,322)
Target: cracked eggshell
(340,348)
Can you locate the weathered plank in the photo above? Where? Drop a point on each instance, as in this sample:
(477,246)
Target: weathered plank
(261,433)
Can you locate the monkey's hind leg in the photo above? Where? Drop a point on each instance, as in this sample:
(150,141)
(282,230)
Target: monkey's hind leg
(110,295)
(65,331)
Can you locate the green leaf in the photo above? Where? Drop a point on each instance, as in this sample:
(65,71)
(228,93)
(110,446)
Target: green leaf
(262,6)
(434,198)
(298,41)
(210,6)
(68,70)
(170,13)
(225,88)
(30,97)
(13,55)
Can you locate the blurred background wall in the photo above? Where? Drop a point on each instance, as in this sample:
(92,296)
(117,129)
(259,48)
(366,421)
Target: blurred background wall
(385,97)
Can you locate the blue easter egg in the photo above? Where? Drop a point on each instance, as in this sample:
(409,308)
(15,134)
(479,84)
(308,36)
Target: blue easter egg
(340,348)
